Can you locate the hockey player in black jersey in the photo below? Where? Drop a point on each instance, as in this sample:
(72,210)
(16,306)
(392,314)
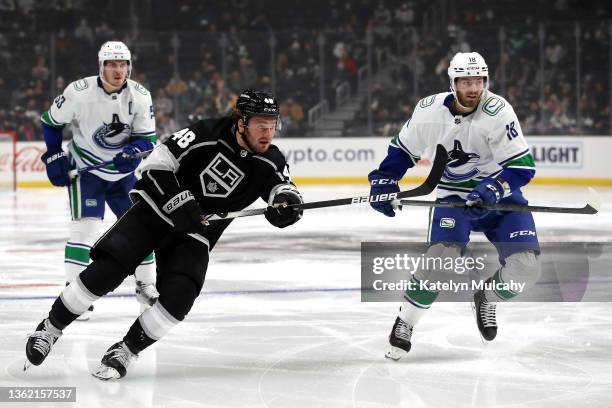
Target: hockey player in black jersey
(212,166)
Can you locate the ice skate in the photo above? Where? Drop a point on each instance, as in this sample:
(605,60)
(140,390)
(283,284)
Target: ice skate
(146,294)
(115,362)
(399,339)
(40,343)
(485,316)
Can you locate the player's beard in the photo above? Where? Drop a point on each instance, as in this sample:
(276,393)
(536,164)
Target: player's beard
(470,103)
(245,138)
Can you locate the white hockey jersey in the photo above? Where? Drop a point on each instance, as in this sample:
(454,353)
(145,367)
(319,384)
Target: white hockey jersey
(102,123)
(480,144)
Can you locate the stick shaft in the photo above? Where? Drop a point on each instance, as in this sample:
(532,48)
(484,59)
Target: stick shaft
(430,183)
(587,209)
(76,172)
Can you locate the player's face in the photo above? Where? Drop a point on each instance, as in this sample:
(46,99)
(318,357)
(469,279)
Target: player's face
(115,72)
(260,133)
(469,90)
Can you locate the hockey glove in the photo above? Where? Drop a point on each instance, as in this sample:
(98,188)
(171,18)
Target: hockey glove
(125,162)
(490,191)
(281,216)
(185,212)
(57,166)
(382,183)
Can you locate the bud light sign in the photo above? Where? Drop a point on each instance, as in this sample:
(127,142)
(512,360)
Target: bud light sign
(559,155)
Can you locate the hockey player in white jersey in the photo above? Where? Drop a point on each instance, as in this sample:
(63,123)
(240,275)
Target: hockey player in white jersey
(489,162)
(111,119)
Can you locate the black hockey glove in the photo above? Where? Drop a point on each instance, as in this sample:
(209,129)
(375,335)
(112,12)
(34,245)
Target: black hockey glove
(280,216)
(185,212)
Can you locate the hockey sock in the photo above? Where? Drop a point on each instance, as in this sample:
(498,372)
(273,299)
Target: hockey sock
(410,313)
(137,339)
(145,272)
(83,234)
(419,296)
(151,325)
(74,300)
(521,267)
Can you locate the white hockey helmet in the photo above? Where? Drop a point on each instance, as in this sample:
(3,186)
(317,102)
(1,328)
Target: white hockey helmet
(467,64)
(113,51)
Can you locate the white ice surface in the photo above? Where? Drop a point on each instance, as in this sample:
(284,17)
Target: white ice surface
(280,322)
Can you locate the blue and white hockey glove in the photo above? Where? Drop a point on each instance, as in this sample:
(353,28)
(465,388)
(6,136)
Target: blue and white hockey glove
(382,183)
(57,165)
(125,162)
(490,191)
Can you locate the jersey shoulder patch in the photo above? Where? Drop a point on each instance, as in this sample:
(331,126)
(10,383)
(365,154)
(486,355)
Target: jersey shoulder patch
(138,88)
(428,109)
(81,89)
(493,104)
(427,101)
(80,84)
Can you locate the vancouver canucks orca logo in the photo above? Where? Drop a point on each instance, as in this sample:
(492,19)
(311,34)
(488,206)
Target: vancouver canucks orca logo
(457,158)
(112,135)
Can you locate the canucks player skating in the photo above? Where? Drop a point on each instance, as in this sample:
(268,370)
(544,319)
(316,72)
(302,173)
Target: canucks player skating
(111,118)
(489,162)
(214,165)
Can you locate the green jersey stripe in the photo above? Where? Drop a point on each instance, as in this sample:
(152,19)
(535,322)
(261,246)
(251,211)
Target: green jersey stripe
(47,119)
(469,184)
(151,137)
(524,161)
(90,159)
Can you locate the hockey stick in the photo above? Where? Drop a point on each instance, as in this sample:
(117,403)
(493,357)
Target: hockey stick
(76,172)
(591,207)
(430,183)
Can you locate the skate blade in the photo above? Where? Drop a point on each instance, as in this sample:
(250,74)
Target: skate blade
(26,364)
(105,373)
(395,353)
(482,339)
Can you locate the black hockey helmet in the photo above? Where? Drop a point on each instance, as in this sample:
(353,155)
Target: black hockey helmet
(257,103)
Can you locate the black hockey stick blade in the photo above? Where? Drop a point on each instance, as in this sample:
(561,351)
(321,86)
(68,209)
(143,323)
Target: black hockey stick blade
(430,183)
(592,206)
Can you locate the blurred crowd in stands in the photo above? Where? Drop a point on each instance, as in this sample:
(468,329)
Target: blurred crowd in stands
(196,56)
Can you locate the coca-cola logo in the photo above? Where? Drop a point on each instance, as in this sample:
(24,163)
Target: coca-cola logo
(28,159)
(4,160)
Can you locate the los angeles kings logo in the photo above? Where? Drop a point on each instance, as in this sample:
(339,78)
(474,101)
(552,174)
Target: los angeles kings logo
(220,177)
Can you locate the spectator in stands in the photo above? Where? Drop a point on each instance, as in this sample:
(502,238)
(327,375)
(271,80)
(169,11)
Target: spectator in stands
(162,103)
(84,33)
(103,32)
(165,125)
(26,66)
(40,70)
(248,74)
(404,14)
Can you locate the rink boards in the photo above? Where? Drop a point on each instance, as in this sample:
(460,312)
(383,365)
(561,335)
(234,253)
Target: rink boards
(559,159)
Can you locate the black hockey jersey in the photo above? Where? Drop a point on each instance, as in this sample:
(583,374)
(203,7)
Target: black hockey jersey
(206,159)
